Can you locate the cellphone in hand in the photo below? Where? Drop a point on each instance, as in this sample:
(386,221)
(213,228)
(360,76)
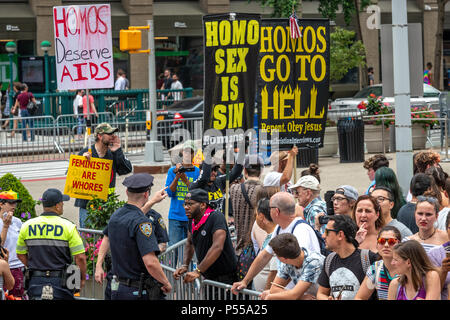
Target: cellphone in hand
(324,219)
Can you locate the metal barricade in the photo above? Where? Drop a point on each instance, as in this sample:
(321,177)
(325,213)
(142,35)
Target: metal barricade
(92,290)
(170,132)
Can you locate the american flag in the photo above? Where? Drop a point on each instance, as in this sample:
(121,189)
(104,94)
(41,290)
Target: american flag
(293,24)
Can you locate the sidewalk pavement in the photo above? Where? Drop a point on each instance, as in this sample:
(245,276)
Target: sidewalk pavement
(332,174)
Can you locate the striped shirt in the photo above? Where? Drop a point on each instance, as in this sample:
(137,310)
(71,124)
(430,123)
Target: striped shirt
(426,246)
(379,277)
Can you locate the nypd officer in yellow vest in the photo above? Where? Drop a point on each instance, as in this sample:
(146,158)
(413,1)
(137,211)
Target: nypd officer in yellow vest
(46,245)
(138,275)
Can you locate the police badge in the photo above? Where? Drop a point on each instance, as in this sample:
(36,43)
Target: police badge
(146,229)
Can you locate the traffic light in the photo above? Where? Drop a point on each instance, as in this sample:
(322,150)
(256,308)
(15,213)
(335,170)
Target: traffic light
(130,40)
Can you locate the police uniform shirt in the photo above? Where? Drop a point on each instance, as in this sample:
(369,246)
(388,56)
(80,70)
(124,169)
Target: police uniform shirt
(50,241)
(131,236)
(202,239)
(159,225)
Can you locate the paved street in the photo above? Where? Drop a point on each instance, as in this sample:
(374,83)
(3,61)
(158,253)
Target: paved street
(39,176)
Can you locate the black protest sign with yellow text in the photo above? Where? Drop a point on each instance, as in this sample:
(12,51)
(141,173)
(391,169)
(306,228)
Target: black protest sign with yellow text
(293,82)
(231,43)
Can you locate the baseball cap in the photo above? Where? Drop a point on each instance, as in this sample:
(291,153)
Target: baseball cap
(189,144)
(308,182)
(10,196)
(52,197)
(347,191)
(253,160)
(138,182)
(198,195)
(105,128)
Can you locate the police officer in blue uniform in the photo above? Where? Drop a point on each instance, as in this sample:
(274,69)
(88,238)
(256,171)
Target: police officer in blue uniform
(138,274)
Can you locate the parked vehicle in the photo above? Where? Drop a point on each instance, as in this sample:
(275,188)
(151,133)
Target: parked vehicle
(343,107)
(174,117)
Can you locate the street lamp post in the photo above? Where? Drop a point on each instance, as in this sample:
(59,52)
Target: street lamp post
(11,48)
(45,46)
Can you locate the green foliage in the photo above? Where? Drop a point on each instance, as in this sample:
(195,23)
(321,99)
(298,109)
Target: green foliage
(99,211)
(376,107)
(281,8)
(26,209)
(345,53)
(328,8)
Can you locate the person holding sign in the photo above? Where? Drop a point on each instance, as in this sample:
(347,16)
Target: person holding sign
(107,146)
(283,167)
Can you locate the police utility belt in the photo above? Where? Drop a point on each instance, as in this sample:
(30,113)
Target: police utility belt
(59,274)
(145,282)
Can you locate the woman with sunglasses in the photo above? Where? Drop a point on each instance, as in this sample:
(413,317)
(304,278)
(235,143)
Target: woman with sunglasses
(426,215)
(417,278)
(368,218)
(381,273)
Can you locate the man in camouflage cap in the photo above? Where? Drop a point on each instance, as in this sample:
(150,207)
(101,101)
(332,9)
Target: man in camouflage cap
(107,146)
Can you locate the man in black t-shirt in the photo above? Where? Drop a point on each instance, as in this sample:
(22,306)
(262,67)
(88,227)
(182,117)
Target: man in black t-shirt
(345,268)
(209,237)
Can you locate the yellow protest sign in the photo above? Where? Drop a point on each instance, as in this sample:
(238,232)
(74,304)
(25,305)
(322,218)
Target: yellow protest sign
(88,178)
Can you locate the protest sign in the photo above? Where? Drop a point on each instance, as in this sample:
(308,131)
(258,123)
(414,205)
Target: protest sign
(83,46)
(293,83)
(88,178)
(231,43)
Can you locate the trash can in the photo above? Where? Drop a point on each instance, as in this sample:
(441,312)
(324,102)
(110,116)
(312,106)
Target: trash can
(351,139)
(306,156)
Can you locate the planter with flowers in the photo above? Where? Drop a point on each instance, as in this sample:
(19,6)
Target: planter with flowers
(330,140)
(420,124)
(376,129)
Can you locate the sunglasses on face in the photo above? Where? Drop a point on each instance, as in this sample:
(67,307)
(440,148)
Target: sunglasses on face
(390,241)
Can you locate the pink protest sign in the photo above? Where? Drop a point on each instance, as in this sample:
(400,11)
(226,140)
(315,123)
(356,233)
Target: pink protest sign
(83,46)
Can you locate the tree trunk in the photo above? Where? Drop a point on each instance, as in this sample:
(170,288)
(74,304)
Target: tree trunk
(436,75)
(364,74)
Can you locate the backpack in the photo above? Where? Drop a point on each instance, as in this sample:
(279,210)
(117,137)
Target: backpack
(365,261)
(323,250)
(248,253)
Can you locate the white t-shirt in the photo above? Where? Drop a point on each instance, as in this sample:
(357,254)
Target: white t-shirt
(273,179)
(176,85)
(78,101)
(120,84)
(442,218)
(305,235)
(11,242)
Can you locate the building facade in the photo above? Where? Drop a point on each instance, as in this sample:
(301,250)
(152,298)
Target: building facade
(179,38)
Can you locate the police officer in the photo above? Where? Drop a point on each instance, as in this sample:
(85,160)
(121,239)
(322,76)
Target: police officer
(138,275)
(46,245)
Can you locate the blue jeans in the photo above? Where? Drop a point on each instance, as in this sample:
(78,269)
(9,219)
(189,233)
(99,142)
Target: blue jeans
(24,114)
(177,231)
(83,217)
(59,293)
(80,125)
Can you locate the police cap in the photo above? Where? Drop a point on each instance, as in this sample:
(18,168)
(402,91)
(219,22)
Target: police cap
(198,195)
(52,196)
(138,182)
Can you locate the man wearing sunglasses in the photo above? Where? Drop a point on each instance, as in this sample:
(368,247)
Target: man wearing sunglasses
(344,268)
(107,146)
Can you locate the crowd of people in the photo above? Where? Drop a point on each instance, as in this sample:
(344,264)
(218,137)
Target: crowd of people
(291,243)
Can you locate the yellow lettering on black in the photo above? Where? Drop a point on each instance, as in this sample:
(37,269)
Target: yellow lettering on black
(220,66)
(266,39)
(212,37)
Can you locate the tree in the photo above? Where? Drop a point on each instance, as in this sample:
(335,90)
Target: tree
(345,53)
(281,8)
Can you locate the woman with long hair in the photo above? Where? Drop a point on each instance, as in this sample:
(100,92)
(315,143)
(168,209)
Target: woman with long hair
(368,218)
(385,177)
(418,278)
(426,215)
(381,273)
